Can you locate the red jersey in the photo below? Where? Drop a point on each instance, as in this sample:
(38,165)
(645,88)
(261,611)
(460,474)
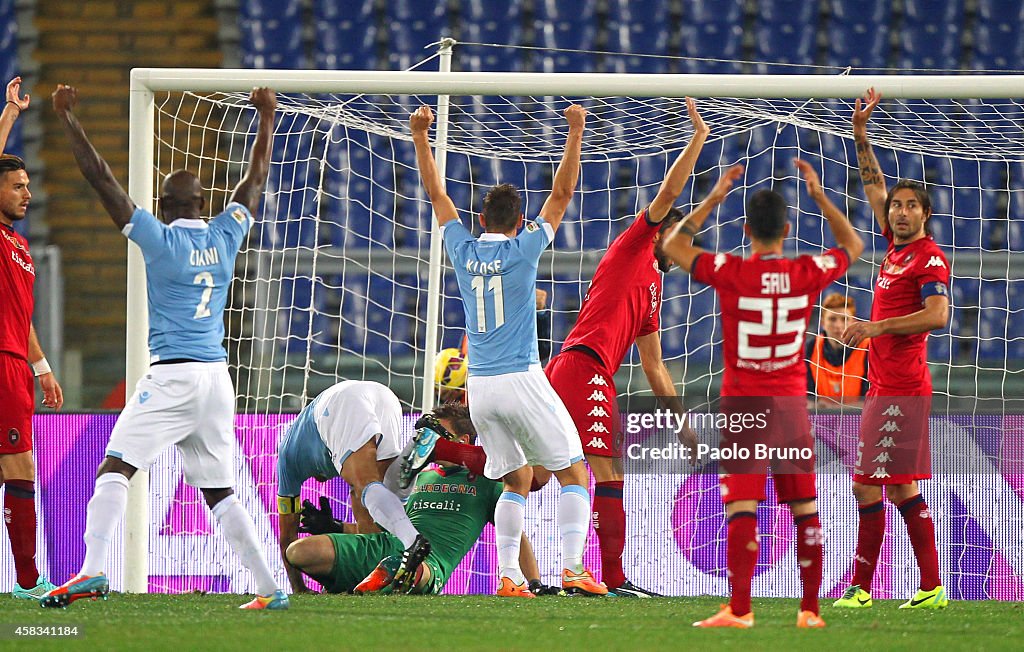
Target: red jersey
(766,302)
(624,298)
(17,276)
(909,273)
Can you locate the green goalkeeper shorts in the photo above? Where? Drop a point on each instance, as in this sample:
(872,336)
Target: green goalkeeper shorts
(356,555)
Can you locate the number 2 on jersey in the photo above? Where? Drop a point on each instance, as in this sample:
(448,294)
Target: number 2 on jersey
(203,307)
(774,321)
(494,286)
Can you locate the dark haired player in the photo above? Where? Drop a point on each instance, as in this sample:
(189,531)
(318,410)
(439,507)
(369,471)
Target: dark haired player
(520,418)
(622,307)
(766,300)
(911,299)
(449,505)
(20,358)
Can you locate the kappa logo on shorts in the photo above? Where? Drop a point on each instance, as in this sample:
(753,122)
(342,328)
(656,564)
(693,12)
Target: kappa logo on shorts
(598,395)
(143,397)
(13,436)
(882,458)
(889,426)
(886,442)
(596,442)
(597,380)
(597,427)
(893,411)
(598,411)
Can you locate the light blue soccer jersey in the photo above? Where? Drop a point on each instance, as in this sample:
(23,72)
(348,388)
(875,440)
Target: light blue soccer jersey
(498,282)
(189,267)
(302,454)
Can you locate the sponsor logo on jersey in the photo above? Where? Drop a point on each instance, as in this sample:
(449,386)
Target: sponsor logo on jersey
(598,395)
(598,411)
(20,262)
(935,261)
(596,442)
(14,241)
(597,426)
(893,411)
(886,442)
(654,299)
(598,380)
(825,263)
(143,397)
(889,426)
(438,488)
(531,227)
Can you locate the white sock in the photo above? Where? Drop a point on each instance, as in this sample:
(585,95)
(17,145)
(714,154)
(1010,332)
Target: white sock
(106,507)
(509,514)
(240,532)
(387,511)
(573,521)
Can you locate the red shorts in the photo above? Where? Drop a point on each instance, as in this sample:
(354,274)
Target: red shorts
(588,392)
(18,387)
(893,446)
(789,487)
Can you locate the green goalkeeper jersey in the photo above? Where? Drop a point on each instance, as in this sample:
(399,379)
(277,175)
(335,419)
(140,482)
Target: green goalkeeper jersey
(450,508)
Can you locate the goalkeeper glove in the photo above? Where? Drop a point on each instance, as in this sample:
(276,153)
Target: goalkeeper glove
(319,521)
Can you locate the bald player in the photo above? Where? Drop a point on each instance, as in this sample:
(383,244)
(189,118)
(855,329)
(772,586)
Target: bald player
(186,399)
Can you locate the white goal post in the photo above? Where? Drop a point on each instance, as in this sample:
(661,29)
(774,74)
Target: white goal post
(146,82)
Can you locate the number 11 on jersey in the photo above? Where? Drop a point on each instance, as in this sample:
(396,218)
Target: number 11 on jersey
(493,284)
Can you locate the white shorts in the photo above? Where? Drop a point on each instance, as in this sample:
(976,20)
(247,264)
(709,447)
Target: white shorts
(352,413)
(521,421)
(190,405)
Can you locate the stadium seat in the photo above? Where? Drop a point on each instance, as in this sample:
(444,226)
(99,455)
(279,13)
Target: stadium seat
(933,45)
(992,326)
(271,34)
(782,12)
(786,42)
(878,12)
(715,11)
(712,46)
(949,11)
(997,45)
(858,43)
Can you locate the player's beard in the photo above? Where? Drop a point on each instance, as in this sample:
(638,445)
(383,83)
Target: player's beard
(664,264)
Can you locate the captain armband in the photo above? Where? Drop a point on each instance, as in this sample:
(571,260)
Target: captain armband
(289,505)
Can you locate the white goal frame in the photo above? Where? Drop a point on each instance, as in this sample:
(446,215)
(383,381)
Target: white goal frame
(147,81)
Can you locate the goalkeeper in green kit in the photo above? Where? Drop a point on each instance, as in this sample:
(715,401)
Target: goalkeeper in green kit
(449,506)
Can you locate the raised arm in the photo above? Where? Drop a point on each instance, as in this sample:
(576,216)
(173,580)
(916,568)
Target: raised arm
(846,237)
(681,169)
(678,242)
(95,170)
(934,315)
(870,172)
(15,105)
(250,188)
(568,173)
(444,208)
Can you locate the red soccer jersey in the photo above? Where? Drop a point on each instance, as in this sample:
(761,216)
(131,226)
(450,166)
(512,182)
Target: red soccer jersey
(766,302)
(624,298)
(899,363)
(17,276)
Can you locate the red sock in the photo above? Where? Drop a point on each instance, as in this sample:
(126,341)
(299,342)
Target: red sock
(870,533)
(471,457)
(610,525)
(20,516)
(921,529)
(808,556)
(741,557)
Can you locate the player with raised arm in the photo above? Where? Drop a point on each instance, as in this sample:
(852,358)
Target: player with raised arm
(352,429)
(519,416)
(766,301)
(186,398)
(622,307)
(911,299)
(20,357)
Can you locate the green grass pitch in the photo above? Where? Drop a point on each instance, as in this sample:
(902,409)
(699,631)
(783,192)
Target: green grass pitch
(213,622)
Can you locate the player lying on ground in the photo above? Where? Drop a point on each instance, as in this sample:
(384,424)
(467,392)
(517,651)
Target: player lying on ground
(353,430)
(911,298)
(21,357)
(521,420)
(186,399)
(449,506)
(766,301)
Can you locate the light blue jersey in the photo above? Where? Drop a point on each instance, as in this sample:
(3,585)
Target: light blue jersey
(498,282)
(189,267)
(302,454)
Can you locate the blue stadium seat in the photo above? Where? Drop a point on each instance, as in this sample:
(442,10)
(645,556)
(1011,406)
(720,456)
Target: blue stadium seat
(555,11)
(951,11)
(930,45)
(992,326)
(858,43)
(786,42)
(721,41)
(715,11)
(346,45)
(412,27)
(783,12)
(871,11)
(271,34)
(997,45)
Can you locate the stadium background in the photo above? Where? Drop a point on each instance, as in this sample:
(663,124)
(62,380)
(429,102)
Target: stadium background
(95,44)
